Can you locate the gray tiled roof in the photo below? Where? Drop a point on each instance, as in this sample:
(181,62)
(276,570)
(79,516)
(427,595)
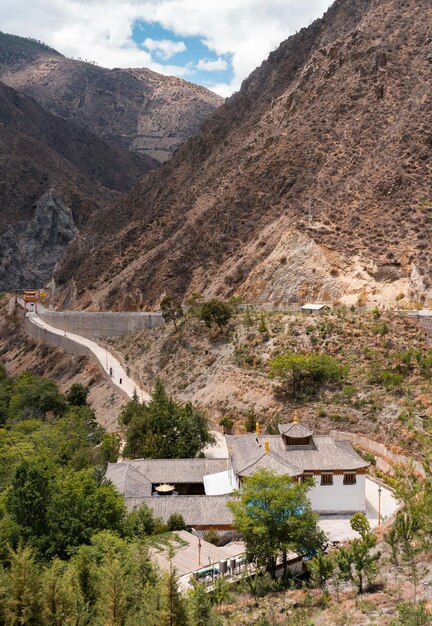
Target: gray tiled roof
(325,454)
(135,478)
(196,510)
(295,430)
(186,550)
(272,462)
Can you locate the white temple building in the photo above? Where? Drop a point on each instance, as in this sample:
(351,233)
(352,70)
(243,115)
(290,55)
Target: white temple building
(200,488)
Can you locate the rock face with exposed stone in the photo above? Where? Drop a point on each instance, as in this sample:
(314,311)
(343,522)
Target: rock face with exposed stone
(29,250)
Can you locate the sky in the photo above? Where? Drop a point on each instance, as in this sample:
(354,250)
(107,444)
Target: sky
(215,43)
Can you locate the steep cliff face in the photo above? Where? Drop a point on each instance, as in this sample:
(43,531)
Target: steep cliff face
(30,249)
(314,181)
(38,152)
(139,109)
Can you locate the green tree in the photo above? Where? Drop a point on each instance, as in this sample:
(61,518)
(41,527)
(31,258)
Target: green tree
(262,326)
(215,312)
(358,563)
(250,421)
(274,516)
(321,569)
(164,428)
(248,320)
(176,522)
(200,609)
(62,599)
(174,608)
(411,614)
(110,448)
(77,394)
(23,591)
(141,523)
(171,310)
(33,396)
(78,508)
(28,500)
(221,590)
(111,606)
(305,372)
(131,410)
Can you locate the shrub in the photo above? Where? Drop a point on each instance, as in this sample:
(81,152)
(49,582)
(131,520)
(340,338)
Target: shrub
(306,372)
(215,312)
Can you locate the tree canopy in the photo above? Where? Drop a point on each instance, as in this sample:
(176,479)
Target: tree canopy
(305,372)
(274,516)
(164,428)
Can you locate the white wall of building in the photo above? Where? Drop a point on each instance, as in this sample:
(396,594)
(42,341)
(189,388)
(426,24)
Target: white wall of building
(339,498)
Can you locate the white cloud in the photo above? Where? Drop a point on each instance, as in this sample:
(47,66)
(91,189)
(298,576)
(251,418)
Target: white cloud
(165,48)
(210,65)
(101,30)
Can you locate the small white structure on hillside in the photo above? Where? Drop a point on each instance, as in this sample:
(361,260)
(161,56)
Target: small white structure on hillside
(314,309)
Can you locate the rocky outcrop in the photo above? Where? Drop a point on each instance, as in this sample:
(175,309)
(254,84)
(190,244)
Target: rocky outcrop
(314,181)
(40,151)
(139,109)
(30,250)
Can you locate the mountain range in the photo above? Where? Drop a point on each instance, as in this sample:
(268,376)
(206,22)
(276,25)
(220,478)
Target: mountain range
(136,108)
(313,182)
(58,166)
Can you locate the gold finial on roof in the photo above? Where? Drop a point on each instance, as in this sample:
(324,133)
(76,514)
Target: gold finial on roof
(296,421)
(257,428)
(266,446)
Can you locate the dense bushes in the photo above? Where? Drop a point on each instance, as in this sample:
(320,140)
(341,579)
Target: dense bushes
(306,372)
(164,428)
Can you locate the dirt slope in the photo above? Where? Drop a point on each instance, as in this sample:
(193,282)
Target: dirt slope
(227,374)
(313,182)
(20,353)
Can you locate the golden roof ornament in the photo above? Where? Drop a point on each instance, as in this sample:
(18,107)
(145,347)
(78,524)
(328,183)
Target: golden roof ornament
(296,420)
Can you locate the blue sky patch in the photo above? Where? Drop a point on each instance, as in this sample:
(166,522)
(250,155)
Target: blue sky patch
(203,66)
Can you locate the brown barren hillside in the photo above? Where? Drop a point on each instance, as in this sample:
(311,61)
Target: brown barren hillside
(139,109)
(43,156)
(388,376)
(314,181)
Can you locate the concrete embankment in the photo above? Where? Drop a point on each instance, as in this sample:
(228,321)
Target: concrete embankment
(96,325)
(386,459)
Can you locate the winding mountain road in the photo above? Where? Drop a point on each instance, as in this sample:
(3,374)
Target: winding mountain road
(118,376)
(106,360)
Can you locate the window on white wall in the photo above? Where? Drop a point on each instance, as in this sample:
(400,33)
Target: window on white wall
(349,479)
(326,479)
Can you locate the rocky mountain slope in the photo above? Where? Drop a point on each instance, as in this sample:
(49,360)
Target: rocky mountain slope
(42,154)
(314,181)
(139,109)
(227,373)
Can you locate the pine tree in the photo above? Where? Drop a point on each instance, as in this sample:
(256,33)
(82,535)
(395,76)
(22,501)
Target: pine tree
(248,321)
(111,607)
(201,611)
(174,606)
(262,326)
(22,602)
(62,599)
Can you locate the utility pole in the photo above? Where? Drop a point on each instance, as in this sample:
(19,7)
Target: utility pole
(379,505)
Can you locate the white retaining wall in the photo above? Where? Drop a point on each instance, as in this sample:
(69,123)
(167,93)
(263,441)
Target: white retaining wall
(95,325)
(339,498)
